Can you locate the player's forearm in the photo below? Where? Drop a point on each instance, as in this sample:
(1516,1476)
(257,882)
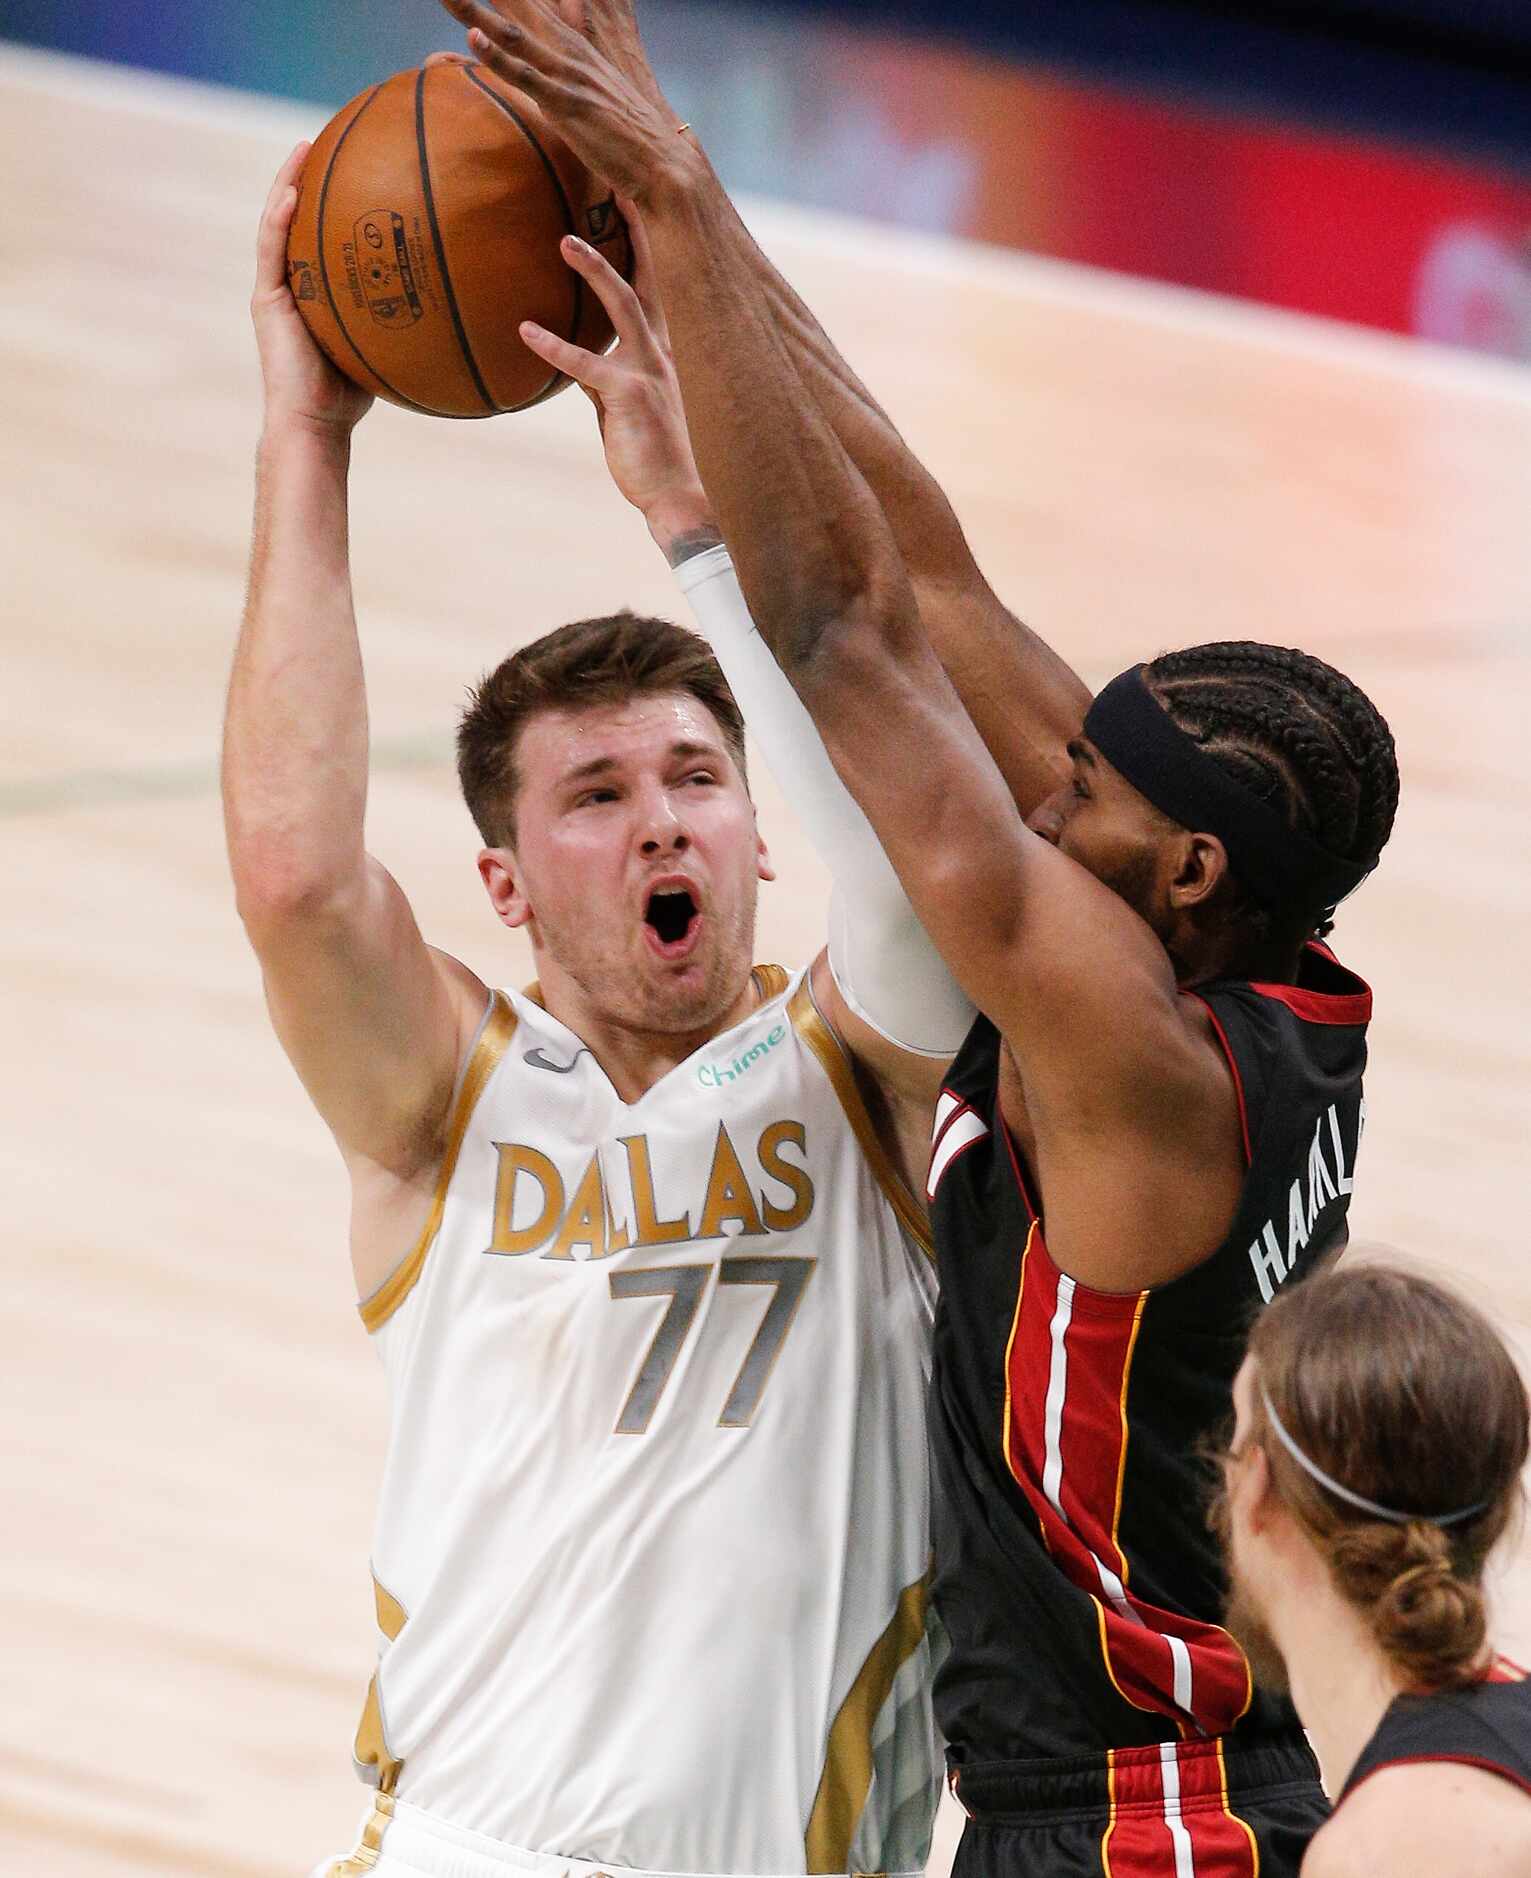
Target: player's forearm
(1023,697)
(295,738)
(810,542)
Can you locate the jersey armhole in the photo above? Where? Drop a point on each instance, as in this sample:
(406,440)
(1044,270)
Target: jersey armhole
(818,1034)
(1478,1761)
(495,1032)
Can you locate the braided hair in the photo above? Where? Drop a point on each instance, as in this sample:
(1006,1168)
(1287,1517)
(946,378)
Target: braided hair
(1295,733)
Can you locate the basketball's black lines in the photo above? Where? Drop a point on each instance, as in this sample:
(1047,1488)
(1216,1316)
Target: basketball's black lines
(324,272)
(479,386)
(554,178)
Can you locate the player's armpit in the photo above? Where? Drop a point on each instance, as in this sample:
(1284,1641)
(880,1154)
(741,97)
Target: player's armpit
(904,1086)
(373,1020)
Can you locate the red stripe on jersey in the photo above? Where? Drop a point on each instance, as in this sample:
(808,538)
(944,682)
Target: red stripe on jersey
(1170,1813)
(1138,1841)
(1065,1442)
(1321,1007)
(1503,1670)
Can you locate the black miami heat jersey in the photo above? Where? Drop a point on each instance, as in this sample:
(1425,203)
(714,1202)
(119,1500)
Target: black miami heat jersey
(1076,1576)
(1487,1725)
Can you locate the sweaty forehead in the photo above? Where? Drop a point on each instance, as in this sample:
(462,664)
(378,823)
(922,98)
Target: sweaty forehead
(652,729)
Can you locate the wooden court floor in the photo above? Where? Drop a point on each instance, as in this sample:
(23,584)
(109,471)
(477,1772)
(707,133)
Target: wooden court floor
(193,1422)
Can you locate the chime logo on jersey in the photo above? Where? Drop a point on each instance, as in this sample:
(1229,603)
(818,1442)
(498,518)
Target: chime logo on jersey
(609,1208)
(715,1075)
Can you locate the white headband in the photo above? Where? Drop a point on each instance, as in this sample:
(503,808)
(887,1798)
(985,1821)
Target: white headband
(1317,1473)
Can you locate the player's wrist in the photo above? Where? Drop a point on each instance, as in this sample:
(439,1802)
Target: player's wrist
(679,178)
(682,523)
(295,427)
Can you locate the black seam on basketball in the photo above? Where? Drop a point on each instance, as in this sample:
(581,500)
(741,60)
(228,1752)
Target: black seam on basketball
(558,378)
(324,272)
(490,406)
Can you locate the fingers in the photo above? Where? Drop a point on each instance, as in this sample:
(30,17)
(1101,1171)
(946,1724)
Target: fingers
(448,58)
(514,38)
(276,219)
(623,307)
(588,369)
(645,281)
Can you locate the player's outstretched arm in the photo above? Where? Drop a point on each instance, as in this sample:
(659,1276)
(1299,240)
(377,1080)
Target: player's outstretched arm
(372,1020)
(1025,700)
(1076,981)
(880,983)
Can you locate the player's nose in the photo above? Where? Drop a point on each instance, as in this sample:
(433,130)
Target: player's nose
(1046,820)
(662,826)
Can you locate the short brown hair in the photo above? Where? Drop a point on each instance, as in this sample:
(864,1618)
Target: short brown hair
(1406,1395)
(591,662)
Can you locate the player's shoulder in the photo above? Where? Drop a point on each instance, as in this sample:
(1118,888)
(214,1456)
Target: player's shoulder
(1443,1817)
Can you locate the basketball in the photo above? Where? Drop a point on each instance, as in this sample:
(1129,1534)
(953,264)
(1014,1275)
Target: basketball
(427,228)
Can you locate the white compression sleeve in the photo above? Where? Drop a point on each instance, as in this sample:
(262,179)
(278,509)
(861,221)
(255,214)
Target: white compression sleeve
(888,972)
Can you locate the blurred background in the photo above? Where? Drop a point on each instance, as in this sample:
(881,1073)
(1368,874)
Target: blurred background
(1369,160)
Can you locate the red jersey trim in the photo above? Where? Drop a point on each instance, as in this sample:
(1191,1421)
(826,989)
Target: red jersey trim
(1426,1760)
(1352,1008)
(1323,1007)
(1233,1065)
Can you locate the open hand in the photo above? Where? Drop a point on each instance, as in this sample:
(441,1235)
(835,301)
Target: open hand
(301,384)
(583,63)
(633,388)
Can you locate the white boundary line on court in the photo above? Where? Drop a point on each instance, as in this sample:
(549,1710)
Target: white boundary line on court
(1214,317)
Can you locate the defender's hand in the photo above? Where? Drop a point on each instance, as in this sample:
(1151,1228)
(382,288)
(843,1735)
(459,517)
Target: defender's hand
(634,389)
(595,85)
(301,384)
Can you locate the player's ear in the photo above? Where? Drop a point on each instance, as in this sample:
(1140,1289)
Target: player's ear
(1201,864)
(1256,1490)
(504,884)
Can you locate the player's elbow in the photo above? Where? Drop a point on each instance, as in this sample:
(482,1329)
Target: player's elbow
(280,887)
(851,646)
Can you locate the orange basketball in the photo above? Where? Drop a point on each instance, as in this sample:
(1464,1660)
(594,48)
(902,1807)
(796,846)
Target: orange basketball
(427,228)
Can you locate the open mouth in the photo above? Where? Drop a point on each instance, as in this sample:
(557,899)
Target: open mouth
(672,917)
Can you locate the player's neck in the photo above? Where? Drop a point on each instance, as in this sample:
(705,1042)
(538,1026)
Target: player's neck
(1341,1682)
(1205,957)
(633,1058)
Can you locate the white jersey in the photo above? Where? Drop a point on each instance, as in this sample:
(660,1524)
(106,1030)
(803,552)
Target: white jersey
(651,1555)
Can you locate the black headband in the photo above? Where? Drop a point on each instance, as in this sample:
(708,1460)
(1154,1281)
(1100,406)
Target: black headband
(1280,866)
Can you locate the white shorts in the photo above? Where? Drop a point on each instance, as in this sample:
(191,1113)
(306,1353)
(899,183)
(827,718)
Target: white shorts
(403,1841)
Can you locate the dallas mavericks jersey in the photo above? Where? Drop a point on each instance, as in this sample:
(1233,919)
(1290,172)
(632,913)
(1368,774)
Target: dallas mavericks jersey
(651,1556)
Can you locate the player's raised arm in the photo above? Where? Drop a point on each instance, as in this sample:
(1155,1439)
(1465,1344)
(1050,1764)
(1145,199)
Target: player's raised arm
(885,990)
(1024,699)
(373,1021)
(821,568)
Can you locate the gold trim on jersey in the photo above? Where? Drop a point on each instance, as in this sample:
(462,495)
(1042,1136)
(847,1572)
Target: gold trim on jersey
(815,1030)
(847,1777)
(1105,1842)
(1254,1843)
(391,1615)
(499,1028)
(770,981)
(369,1846)
(371,1747)
(1121,1465)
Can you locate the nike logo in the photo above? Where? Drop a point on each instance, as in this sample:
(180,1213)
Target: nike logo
(539,1061)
